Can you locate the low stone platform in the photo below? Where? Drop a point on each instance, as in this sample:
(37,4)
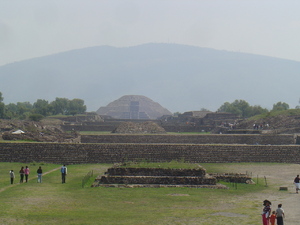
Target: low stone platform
(156,177)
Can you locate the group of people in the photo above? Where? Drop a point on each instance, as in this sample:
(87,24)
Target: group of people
(24,172)
(269,218)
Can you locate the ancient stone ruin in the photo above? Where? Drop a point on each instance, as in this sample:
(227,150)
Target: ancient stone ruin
(134,107)
(139,128)
(156,177)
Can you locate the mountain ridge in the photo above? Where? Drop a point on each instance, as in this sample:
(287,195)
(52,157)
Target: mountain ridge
(180,77)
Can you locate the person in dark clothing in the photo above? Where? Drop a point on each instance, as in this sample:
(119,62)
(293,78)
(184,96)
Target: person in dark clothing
(12,176)
(297,183)
(39,172)
(63,171)
(22,173)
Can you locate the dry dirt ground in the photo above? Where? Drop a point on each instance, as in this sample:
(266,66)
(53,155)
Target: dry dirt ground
(277,175)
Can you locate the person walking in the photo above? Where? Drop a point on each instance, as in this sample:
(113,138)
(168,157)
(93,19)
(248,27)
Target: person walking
(279,214)
(27,171)
(297,183)
(22,173)
(63,171)
(266,212)
(39,173)
(12,176)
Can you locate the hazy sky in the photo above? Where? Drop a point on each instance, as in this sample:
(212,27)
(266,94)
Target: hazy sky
(37,28)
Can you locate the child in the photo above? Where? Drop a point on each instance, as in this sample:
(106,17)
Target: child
(12,176)
(273,218)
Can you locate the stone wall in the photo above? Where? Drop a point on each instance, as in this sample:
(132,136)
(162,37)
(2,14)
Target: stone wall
(192,139)
(110,126)
(114,153)
(232,177)
(155,172)
(158,180)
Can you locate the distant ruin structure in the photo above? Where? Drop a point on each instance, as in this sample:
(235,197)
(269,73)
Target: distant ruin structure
(134,107)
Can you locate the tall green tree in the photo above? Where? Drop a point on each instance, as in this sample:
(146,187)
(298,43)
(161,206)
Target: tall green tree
(280,106)
(11,111)
(1,97)
(42,107)
(241,108)
(24,109)
(60,106)
(76,106)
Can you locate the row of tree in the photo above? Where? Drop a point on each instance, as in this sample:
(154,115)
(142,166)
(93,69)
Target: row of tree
(244,109)
(41,108)
(64,106)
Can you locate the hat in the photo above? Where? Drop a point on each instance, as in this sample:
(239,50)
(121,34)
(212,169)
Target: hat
(267,201)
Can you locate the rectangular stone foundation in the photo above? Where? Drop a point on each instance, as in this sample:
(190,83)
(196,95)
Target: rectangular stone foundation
(168,180)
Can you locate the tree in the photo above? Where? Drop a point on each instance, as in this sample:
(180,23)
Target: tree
(238,107)
(60,106)
(241,108)
(1,98)
(280,106)
(2,110)
(257,109)
(23,107)
(42,107)
(11,111)
(76,106)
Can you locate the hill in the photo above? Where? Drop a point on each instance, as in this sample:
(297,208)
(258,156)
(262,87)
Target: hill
(181,78)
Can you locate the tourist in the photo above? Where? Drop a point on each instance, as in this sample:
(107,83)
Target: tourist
(297,183)
(27,171)
(63,171)
(279,215)
(273,218)
(12,176)
(266,212)
(39,173)
(22,173)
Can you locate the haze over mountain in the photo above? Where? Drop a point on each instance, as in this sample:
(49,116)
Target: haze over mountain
(179,77)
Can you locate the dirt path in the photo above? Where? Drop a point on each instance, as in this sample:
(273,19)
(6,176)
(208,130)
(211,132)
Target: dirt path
(32,178)
(279,175)
(290,201)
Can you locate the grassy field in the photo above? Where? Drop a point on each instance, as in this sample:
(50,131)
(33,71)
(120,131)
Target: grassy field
(51,202)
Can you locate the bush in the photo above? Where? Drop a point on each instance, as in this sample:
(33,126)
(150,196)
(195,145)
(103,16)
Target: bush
(36,117)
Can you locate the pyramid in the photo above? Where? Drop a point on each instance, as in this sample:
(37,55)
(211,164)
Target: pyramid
(134,107)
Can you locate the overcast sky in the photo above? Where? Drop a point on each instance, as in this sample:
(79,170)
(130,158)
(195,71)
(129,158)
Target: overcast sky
(37,28)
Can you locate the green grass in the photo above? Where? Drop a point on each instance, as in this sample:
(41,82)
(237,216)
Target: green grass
(54,203)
